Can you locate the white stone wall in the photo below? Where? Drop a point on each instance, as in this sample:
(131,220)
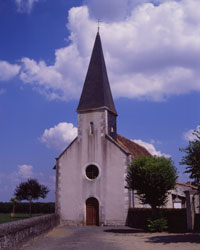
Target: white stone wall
(74,188)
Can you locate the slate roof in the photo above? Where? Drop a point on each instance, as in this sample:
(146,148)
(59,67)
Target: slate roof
(96,91)
(133,148)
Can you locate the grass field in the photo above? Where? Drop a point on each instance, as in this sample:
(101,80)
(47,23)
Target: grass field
(4,218)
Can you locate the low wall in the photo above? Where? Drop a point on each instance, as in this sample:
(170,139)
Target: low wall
(177,218)
(13,234)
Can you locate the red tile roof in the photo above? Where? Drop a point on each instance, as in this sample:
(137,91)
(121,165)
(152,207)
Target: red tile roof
(133,148)
(187,185)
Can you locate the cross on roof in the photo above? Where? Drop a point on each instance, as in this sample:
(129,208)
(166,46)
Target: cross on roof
(98,24)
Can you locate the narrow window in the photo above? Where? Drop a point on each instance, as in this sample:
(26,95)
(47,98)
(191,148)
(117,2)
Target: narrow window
(91,128)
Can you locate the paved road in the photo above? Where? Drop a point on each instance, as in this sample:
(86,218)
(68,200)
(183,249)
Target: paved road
(107,238)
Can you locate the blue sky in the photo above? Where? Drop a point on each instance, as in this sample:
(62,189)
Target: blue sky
(152,51)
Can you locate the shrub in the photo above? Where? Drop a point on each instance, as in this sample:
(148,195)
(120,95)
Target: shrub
(157,225)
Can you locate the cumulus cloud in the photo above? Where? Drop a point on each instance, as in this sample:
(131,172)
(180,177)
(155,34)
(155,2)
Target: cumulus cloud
(151,148)
(153,54)
(25,5)
(112,10)
(59,136)
(8,71)
(25,171)
(189,136)
(22,173)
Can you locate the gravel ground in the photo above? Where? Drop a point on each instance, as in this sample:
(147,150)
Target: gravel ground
(111,238)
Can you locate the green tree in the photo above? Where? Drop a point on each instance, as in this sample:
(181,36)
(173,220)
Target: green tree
(30,190)
(14,201)
(152,178)
(192,158)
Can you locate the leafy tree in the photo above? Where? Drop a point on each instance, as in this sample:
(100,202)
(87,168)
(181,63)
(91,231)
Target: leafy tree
(14,201)
(30,190)
(192,158)
(152,177)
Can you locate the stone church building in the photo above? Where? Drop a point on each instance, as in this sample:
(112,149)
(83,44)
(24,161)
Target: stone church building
(91,172)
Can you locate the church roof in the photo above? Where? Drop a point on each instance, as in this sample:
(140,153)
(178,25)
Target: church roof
(133,148)
(96,91)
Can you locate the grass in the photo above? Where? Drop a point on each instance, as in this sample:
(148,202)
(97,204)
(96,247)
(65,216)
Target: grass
(4,218)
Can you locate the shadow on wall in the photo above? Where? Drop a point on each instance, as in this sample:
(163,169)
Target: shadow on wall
(167,239)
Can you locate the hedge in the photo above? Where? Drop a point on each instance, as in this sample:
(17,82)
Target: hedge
(197,222)
(177,218)
(23,207)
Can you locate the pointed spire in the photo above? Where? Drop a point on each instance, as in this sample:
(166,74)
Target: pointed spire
(96,91)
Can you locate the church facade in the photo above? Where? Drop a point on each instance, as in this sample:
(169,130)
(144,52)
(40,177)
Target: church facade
(91,172)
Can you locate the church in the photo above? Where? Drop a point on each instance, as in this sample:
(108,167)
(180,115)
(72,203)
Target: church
(90,173)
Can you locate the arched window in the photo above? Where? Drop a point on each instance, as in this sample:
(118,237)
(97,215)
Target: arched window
(92,172)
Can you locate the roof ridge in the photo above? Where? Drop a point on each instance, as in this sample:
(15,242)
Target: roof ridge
(187,185)
(133,148)
(116,143)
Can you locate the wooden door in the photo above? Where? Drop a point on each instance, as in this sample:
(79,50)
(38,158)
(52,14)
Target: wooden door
(92,212)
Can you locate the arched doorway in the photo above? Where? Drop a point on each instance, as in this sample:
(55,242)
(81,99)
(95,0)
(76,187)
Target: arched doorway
(92,212)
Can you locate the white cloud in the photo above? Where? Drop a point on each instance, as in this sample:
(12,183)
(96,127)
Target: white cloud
(107,10)
(59,136)
(151,53)
(25,171)
(25,5)
(22,173)
(188,136)
(8,71)
(112,10)
(151,148)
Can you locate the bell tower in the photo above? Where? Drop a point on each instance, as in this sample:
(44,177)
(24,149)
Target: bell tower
(96,97)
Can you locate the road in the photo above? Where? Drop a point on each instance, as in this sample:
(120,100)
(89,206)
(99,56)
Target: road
(111,238)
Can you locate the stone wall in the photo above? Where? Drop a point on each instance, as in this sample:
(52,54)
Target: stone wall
(13,234)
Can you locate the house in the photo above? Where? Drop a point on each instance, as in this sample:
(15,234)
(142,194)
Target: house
(177,198)
(91,172)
